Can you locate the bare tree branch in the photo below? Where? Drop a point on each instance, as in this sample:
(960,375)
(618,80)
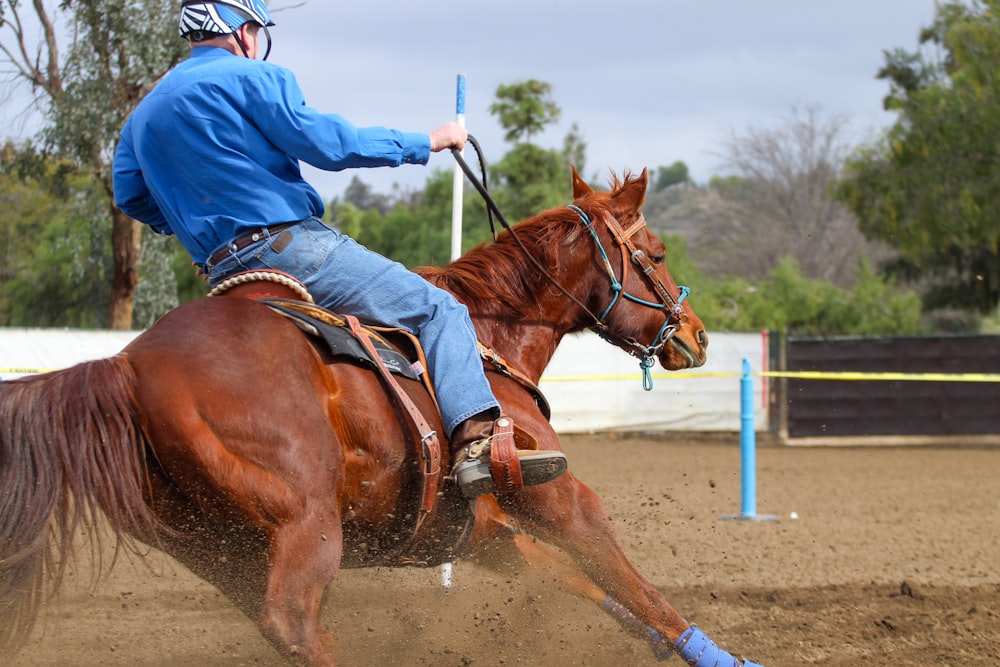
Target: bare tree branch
(53,80)
(27,65)
(784,203)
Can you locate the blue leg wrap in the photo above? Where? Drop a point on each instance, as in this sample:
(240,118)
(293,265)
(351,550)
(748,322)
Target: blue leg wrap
(700,651)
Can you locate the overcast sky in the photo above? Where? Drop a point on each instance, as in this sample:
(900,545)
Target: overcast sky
(648,82)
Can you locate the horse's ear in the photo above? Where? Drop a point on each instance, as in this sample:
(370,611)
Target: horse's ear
(580,188)
(632,194)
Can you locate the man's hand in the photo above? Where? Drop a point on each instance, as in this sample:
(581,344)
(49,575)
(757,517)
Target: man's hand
(449,135)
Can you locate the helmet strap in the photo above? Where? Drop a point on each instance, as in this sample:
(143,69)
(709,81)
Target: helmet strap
(243,47)
(267,34)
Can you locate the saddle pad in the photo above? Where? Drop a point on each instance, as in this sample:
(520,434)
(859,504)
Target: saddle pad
(331,329)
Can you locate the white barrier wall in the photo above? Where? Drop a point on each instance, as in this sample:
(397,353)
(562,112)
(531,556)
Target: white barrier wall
(593,386)
(29,351)
(590,385)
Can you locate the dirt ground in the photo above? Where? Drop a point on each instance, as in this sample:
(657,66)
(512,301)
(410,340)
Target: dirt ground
(892,559)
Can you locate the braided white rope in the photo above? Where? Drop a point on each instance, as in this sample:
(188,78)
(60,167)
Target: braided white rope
(266,276)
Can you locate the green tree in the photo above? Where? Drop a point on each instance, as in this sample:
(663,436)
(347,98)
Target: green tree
(56,258)
(789,301)
(415,229)
(675,174)
(524,109)
(929,186)
(574,150)
(529,179)
(115,52)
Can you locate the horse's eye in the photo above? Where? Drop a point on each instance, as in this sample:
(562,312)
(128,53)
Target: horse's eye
(657,258)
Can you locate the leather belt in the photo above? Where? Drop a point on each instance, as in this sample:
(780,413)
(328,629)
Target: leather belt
(245,239)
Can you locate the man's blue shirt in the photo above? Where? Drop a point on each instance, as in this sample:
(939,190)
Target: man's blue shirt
(214,149)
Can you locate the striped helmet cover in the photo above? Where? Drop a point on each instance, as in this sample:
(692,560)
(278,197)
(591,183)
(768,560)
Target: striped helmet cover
(220,17)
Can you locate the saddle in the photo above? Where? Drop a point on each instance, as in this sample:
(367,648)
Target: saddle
(390,352)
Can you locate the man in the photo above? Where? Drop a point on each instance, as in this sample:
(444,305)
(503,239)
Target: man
(212,155)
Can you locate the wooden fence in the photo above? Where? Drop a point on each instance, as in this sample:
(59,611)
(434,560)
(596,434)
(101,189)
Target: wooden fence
(928,387)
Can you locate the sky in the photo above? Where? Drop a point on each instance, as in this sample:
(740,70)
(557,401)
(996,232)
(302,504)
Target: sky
(648,82)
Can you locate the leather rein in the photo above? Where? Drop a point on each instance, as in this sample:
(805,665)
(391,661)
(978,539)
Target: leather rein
(674,317)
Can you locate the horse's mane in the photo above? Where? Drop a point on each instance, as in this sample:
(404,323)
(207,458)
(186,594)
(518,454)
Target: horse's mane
(496,278)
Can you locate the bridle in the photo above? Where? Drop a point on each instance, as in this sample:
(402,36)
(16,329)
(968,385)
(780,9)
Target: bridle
(674,317)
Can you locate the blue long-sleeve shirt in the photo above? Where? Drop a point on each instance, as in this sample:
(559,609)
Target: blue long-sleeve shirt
(214,149)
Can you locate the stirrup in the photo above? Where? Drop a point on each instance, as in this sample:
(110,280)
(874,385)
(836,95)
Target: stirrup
(494,461)
(475,478)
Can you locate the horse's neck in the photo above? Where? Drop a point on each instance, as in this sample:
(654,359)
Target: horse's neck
(524,340)
(527,348)
(518,316)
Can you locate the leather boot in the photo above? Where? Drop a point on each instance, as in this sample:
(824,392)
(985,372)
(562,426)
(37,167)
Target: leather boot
(470,448)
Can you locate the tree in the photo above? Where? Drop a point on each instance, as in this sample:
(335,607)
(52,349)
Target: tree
(524,109)
(529,179)
(675,174)
(415,230)
(930,184)
(116,53)
(790,302)
(574,150)
(780,203)
(361,195)
(55,258)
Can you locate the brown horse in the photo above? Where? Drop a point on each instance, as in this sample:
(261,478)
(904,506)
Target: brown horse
(225,437)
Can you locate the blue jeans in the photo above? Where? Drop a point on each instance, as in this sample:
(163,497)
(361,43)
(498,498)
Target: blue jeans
(345,277)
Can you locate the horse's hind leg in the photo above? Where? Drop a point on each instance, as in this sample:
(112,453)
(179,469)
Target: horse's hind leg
(286,515)
(541,554)
(275,575)
(304,559)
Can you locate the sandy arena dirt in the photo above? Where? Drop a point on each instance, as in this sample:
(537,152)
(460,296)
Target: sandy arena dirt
(893,559)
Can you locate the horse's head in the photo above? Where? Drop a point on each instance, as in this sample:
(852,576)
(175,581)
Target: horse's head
(592,264)
(635,301)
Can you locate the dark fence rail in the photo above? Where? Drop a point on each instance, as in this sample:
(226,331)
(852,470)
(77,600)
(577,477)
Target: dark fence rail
(861,407)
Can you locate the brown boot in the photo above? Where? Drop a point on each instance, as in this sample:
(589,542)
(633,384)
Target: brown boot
(471,448)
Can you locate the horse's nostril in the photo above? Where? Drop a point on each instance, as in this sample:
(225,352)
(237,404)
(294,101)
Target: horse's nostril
(703,338)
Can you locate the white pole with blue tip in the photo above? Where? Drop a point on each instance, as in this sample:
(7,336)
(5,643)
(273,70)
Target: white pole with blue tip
(457,192)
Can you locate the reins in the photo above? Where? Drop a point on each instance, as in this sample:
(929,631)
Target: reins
(493,209)
(674,310)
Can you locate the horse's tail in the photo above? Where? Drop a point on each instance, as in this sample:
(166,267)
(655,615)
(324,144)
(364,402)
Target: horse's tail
(71,446)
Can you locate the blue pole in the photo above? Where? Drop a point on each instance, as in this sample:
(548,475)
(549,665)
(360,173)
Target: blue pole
(457,180)
(460,96)
(748,444)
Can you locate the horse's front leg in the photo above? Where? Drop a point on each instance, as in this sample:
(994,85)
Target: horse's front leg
(568,514)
